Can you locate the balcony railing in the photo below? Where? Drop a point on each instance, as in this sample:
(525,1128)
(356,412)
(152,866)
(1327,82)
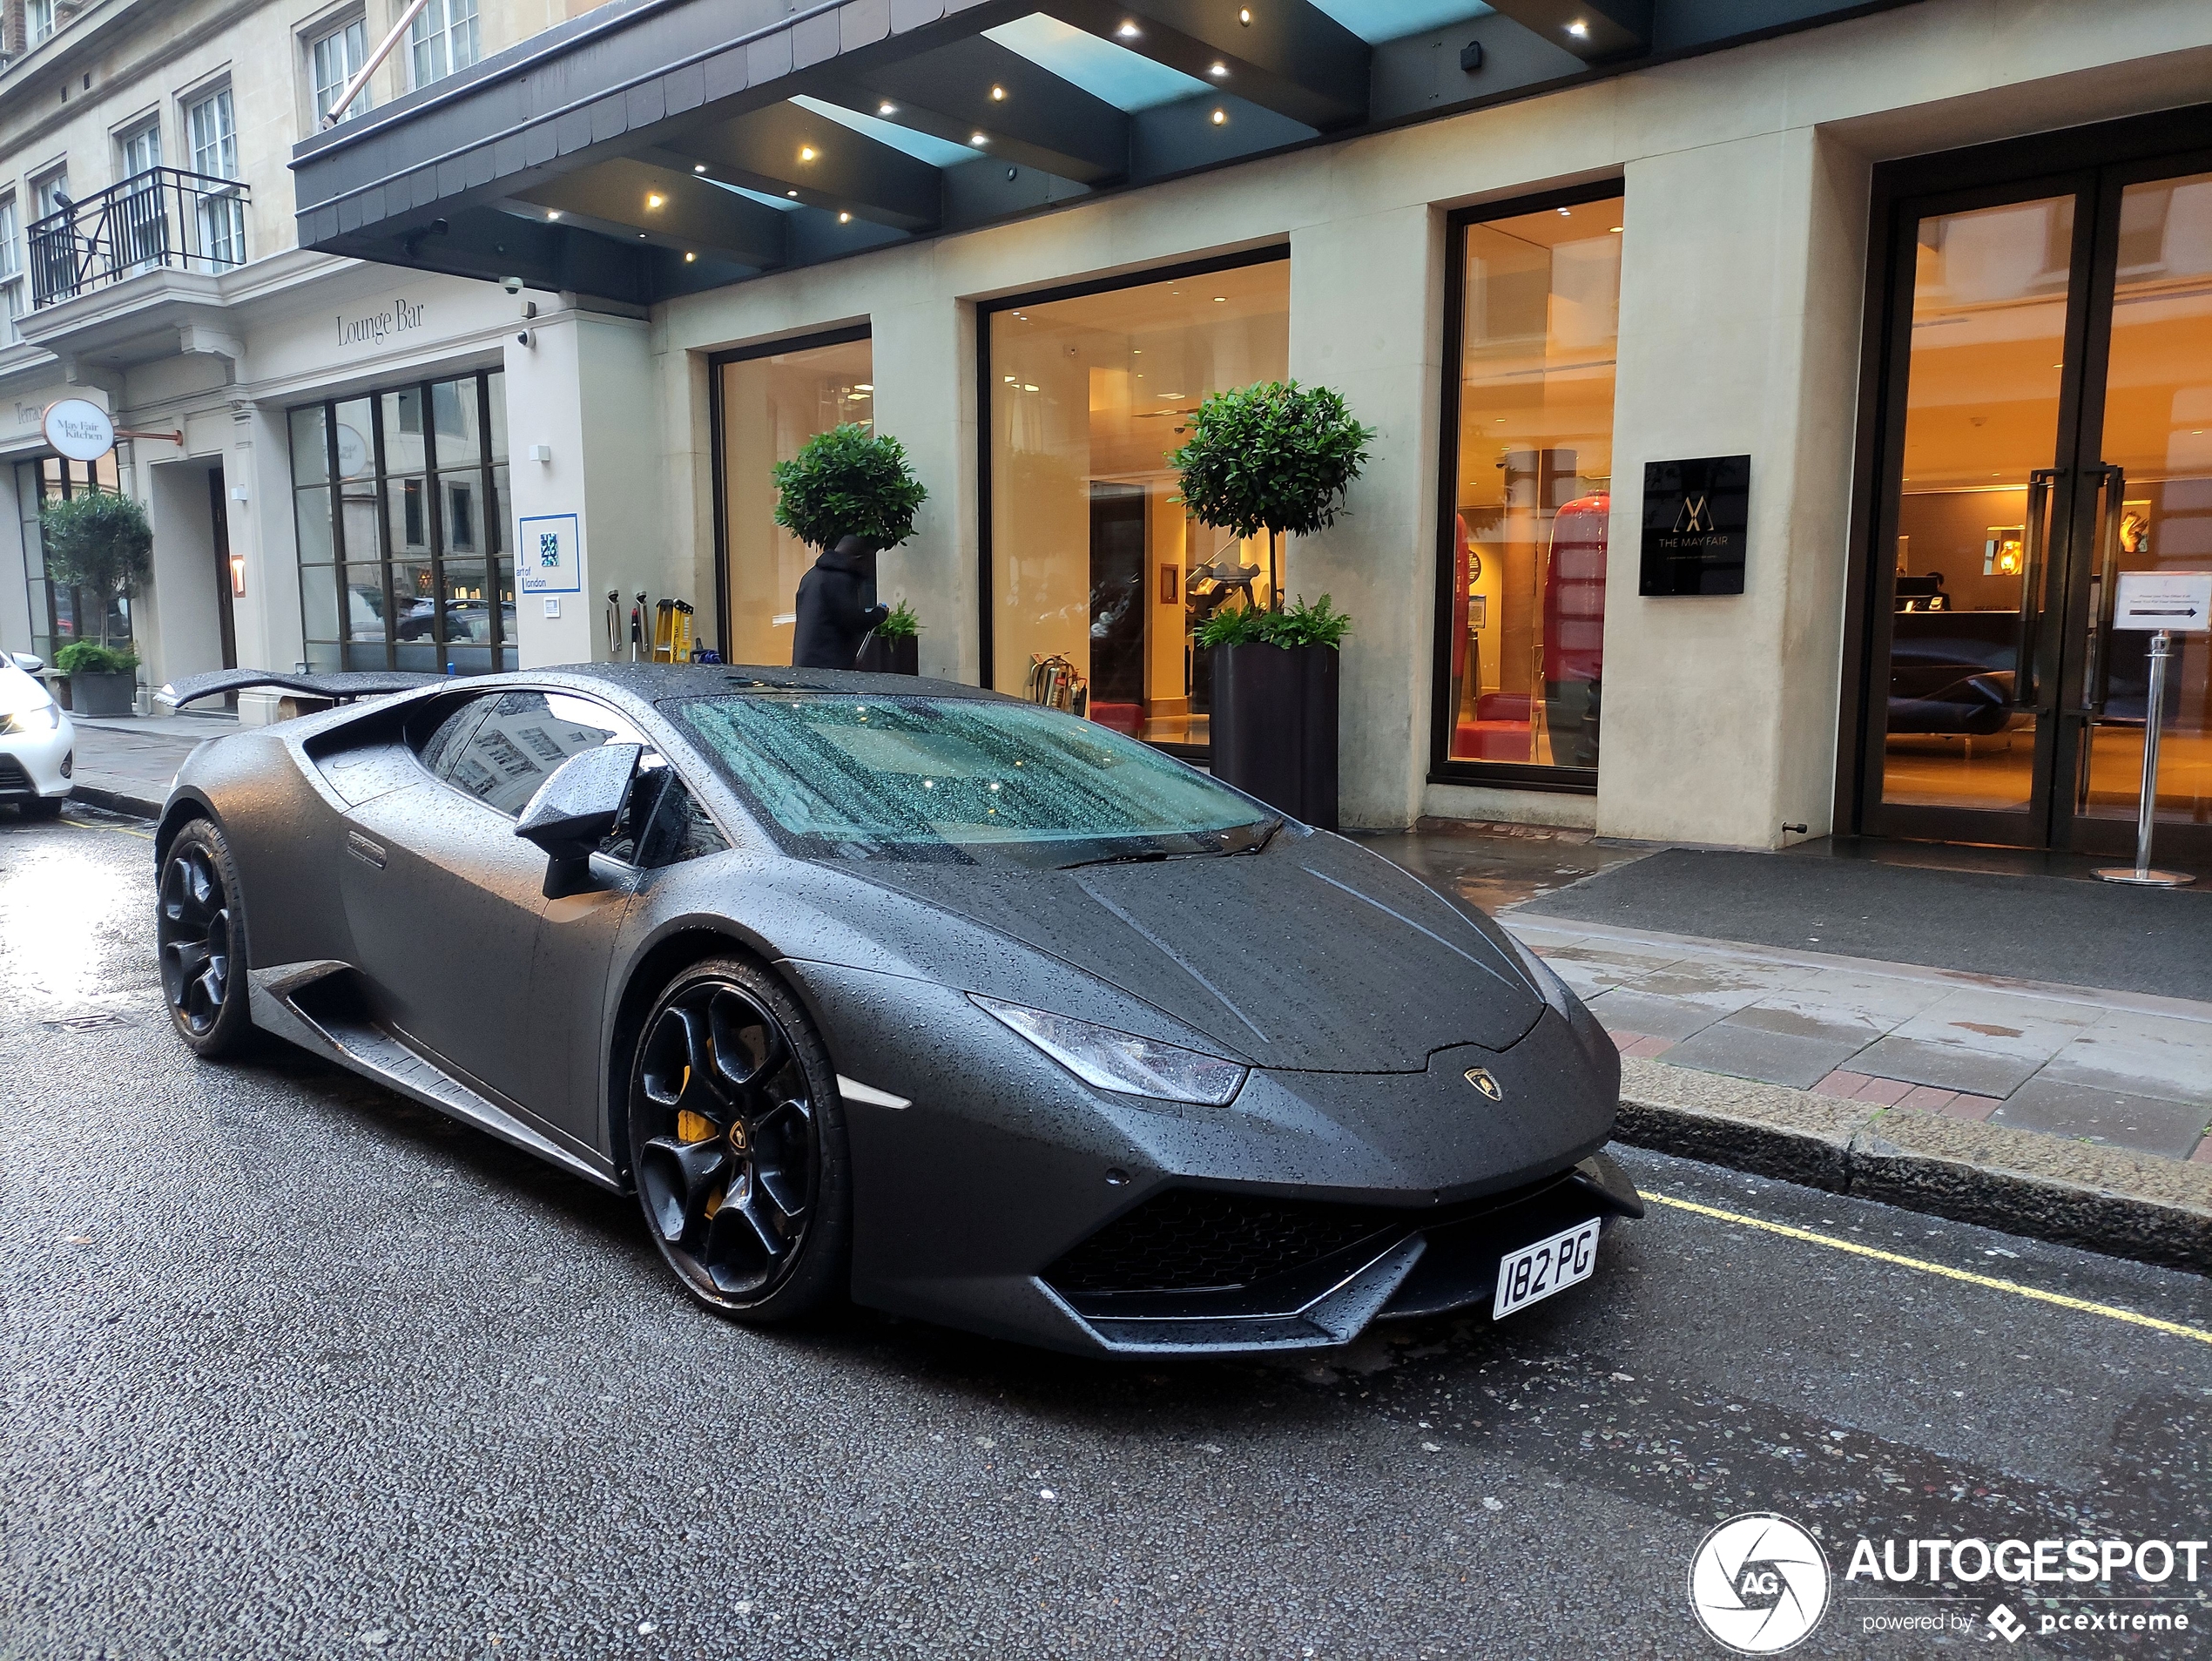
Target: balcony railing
(161,217)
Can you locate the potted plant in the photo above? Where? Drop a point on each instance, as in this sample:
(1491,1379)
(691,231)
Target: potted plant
(99,541)
(101,679)
(1276,457)
(849,493)
(894,647)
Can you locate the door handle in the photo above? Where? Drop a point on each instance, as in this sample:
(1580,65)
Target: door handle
(2034,556)
(2097,676)
(361,849)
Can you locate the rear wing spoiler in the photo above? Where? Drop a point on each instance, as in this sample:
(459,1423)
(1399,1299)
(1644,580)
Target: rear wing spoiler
(341,687)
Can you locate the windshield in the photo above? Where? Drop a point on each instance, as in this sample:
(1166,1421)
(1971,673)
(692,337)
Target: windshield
(962,778)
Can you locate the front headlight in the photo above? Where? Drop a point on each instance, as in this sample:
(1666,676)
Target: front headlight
(42,718)
(1122,1061)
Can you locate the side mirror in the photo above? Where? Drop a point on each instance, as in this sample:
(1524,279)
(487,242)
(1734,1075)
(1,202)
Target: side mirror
(28,664)
(574,811)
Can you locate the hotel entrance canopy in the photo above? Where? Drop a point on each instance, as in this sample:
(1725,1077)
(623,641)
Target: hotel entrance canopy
(652,148)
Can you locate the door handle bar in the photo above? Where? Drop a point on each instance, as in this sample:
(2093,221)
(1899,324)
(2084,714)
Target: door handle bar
(2034,556)
(2097,686)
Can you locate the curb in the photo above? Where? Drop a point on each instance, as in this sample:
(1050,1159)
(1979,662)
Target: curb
(115,801)
(2075,1193)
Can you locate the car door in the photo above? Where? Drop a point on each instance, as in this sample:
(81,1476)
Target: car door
(445,900)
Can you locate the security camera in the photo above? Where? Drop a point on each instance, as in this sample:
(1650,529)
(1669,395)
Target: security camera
(512,284)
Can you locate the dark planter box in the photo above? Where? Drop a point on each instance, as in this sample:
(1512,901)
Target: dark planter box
(102,694)
(1274,728)
(900,656)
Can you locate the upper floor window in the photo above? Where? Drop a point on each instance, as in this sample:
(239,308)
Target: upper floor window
(38,19)
(11,270)
(47,193)
(333,61)
(443,39)
(212,124)
(141,148)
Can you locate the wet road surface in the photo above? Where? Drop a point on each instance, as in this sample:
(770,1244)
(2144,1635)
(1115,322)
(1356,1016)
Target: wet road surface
(295,1368)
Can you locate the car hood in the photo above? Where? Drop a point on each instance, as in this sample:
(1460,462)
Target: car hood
(1314,955)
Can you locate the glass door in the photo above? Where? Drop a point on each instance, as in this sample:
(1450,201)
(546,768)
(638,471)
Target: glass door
(2050,425)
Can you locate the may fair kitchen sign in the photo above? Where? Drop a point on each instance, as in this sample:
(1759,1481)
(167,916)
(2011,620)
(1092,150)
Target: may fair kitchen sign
(398,316)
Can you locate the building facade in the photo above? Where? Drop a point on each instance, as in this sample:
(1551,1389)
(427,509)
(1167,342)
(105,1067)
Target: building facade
(1767,399)
(149,262)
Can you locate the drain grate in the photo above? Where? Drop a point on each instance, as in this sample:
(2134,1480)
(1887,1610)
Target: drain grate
(100,1022)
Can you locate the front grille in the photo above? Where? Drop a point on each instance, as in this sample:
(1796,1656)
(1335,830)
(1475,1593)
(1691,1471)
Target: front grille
(14,781)
(1187,1238)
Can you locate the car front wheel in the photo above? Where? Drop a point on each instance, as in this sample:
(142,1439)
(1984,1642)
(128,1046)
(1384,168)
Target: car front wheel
(738,1143)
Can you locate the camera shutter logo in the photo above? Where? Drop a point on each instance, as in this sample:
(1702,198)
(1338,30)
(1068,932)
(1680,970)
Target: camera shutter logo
(1759,1583)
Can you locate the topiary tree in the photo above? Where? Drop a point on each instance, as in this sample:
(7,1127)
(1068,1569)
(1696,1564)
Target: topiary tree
(846,482)
(98,540)
(1275,457)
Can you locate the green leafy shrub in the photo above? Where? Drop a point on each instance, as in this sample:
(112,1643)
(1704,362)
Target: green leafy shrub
(85,657)
(900,624)
(98,540)
(845,482)
(1318,625)
(1276,457)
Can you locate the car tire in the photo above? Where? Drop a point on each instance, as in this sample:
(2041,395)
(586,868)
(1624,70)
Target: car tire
(41,807)
(199,927)
(737,1144)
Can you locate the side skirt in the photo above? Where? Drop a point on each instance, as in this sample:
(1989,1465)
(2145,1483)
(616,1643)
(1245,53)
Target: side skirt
(340,1028)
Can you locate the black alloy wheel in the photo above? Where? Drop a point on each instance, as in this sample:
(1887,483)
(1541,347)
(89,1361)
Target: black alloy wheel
(737,1144)
(199,927)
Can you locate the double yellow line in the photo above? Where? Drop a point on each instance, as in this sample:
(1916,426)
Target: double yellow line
(2176,1328)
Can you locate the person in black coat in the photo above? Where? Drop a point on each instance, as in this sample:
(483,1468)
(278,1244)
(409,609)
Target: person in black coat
(832,621)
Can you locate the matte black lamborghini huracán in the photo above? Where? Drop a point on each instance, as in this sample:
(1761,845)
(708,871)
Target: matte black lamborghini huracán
(900,990)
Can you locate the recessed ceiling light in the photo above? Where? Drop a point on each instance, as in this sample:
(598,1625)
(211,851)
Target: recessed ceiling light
(1129,31)
(1244,16)
(698,167)
(552,213)
(1220,300)
(1221,118)
(998,94)
(864,386)
(1218,70)
(654,198)
(1566,212)
(887,109)
(792,194)
(845,219)
(689,258)
(1580,29)
(979,140)
(641,236)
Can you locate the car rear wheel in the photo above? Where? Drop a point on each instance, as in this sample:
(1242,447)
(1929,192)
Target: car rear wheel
(738,1143)
(199,927)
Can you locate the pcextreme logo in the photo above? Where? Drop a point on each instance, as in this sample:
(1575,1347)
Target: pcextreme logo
(1759,1583)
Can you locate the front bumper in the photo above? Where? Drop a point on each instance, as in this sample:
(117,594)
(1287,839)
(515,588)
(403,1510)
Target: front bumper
(997,1200)
(37,764)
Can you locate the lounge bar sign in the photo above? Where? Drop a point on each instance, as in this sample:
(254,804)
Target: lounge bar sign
(1695,515)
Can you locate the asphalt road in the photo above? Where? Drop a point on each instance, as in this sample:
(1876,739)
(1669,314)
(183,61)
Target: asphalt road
(293,1368)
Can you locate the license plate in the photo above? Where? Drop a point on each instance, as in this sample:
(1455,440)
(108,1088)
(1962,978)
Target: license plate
(1536,1271)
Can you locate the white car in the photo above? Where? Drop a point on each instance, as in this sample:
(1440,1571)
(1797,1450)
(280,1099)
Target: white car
(38,745)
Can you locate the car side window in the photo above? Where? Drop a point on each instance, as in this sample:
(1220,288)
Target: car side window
(663,823)
(443,746)
(520,740)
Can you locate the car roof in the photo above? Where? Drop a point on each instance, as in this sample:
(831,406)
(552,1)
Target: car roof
(661,683)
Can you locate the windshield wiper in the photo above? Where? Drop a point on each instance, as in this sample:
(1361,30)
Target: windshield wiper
(1149,857)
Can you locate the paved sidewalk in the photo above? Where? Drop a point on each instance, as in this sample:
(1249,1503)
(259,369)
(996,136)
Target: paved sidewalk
(2122,1069)
(125,763)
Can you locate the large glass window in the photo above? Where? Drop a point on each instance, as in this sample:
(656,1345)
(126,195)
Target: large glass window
(211,124)
(770,403)
(1521,662)
(1098,578)
(399,500)
(59,613)
(443,38)
(11,304)
(333,61)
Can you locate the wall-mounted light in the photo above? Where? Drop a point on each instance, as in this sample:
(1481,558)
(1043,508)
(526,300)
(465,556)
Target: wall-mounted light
(864,386)
(1244,16)
(806,152)
(238,576)
(1221,118)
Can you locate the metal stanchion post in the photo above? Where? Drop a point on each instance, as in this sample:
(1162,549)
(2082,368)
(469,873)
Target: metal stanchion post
(2141,875)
